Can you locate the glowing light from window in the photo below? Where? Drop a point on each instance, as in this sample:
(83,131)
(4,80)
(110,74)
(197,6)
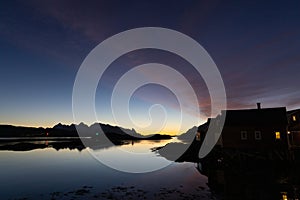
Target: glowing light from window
(284,197)
(294,118)
(277,135)
(198,136)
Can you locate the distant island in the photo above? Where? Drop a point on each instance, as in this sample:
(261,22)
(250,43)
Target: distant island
(61,131)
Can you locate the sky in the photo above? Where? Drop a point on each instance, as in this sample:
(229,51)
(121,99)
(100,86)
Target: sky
(255,45)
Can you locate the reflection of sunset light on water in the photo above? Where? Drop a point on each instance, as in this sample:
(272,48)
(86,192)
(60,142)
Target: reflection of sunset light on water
(134,154)
(67,169)
(144,146)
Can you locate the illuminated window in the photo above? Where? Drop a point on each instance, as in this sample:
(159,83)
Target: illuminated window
(198,136)
(244,135)
(277,135)
(284,196)
(257,135)
(294,118)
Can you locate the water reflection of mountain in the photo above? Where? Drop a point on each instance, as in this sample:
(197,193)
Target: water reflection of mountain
(101,142)
(70,144)
(42,144)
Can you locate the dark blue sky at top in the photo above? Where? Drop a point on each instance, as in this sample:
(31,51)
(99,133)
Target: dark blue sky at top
(255,45)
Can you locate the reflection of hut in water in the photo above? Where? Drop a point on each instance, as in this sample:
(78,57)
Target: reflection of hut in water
(265,183)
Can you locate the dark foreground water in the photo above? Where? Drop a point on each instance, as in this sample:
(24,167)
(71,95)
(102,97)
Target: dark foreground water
(65,169)
(46,170)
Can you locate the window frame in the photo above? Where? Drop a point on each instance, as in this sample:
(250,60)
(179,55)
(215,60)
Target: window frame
(244,135)
(259,134)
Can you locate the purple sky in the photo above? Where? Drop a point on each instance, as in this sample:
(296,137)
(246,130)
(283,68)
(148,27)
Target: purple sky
(255,44)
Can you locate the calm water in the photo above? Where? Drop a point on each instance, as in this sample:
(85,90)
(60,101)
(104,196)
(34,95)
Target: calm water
(44,172)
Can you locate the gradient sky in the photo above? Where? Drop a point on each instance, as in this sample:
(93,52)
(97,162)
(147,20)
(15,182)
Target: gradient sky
(255,44)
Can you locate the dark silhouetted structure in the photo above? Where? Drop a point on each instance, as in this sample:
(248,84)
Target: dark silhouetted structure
(255,129)
(260,131)
(294,127)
